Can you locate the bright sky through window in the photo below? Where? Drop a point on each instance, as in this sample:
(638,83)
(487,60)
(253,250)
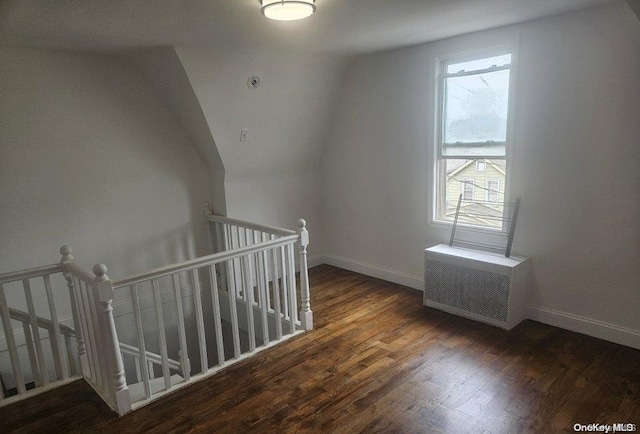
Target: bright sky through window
(476,105)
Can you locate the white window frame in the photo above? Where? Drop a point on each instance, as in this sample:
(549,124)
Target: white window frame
(438,162)
(484,166)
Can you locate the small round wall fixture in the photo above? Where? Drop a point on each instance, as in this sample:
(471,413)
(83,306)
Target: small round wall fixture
(287,10)
(253,82)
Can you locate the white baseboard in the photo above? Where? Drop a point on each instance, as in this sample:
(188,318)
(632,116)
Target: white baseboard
(375,271)
(315,260)
(587,326)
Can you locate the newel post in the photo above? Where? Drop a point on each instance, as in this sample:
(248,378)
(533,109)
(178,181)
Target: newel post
(66,251)
(119,389)
(306,315)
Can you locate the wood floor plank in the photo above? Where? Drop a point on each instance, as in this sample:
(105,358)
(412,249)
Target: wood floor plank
(379,361)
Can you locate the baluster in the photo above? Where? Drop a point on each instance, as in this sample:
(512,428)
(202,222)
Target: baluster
(44,374)
(151,370)
(255,272)
(285,284)
(136,364)
(235,330)
(217,318)
(306,315)
(220,246)
(249,303)
(87,319)
(61,369)
(265,237)
(242,288)
(292,288)
(200,322)
(73,367)
(182,336)
(135,298)
(161,334)
(66,251)
(120,391)
(276,293)
(231,269)
(263,288)
(28,337)
(11,342)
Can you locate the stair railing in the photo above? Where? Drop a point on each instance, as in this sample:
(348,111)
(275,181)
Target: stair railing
(252,283)
(48,370)
(98,347)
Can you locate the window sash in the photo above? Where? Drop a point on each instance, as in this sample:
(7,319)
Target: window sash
(466,149)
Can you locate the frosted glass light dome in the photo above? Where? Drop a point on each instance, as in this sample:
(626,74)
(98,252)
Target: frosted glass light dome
(288,10)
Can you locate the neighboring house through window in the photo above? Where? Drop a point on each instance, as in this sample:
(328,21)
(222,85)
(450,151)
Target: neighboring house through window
(472,130)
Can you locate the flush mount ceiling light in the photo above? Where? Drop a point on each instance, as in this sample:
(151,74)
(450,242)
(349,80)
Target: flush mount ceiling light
(287,10)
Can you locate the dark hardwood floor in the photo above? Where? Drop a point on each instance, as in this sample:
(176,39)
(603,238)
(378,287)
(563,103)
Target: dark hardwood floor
(378,361)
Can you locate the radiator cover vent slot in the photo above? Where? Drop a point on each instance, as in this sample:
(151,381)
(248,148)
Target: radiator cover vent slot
(480,292)
(477,285)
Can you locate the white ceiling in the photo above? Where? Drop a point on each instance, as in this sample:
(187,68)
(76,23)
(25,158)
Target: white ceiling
(339,26)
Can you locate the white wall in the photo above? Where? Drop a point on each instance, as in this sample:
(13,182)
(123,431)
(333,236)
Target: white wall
(577,147)
(92,158)
(273,178)
(162,67)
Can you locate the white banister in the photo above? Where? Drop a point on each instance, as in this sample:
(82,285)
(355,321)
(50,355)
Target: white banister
(29,273)
(120,391)
(256,274)
(202,261)
(306,315)
(250,225)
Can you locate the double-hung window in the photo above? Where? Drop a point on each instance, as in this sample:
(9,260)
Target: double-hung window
(472,130)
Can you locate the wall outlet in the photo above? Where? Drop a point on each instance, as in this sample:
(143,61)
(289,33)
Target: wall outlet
(243,134)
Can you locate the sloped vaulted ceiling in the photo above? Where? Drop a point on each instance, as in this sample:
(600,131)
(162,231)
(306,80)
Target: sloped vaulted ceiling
(339,26)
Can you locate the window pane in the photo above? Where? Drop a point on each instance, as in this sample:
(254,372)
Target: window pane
(482,191)
(475,114)
(474,65)
(493,190)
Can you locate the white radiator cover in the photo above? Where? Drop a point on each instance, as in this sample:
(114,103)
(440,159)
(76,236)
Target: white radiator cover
(481,286)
